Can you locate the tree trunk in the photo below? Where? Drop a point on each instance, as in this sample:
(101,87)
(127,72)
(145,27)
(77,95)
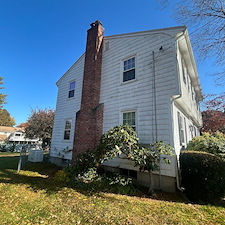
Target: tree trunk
(151,184)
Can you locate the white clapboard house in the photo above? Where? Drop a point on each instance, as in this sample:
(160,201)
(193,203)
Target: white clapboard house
(147,79)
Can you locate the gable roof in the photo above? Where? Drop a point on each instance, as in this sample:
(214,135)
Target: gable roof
(172,31)
(179,34)
(81,57)
(10,129)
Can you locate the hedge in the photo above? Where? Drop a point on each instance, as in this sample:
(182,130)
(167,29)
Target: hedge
(203,176)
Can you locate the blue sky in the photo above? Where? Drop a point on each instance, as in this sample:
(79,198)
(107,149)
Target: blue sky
(41,39)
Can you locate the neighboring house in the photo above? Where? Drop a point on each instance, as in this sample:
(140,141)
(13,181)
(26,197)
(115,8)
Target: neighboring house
(5,132)
(146,79)
(15,135)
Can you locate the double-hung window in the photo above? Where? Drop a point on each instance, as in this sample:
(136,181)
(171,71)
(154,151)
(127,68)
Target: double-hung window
(129,69)
(71,89)
(181,128)
(67,130)
(130,119)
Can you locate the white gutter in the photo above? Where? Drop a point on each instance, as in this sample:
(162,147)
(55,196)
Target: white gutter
(172,105)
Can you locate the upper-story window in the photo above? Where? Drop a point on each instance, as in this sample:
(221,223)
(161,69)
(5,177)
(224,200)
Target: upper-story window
(72,89)
(130,118)
(129,69)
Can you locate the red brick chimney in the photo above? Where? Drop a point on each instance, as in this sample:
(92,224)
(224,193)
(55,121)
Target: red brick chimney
(89,120)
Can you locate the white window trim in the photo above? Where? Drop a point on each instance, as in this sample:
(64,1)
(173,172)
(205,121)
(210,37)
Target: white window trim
(122,69)
(64,128)
(127,111)
(181,128)
(70,90)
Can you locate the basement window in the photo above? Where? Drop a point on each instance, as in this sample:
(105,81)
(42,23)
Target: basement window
(128,173)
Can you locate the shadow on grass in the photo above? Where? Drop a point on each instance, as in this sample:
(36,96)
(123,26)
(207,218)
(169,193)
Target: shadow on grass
(38,176)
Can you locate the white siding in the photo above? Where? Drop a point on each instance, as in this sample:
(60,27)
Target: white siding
(139,94)
(154,107)
(189,128)
(66,108)
(186,101)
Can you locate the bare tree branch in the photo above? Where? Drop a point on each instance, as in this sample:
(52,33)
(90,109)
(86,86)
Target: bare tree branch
(206,22)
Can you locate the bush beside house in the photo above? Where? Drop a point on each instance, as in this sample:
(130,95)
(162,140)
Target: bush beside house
(203,168)
(211,143)
(203,176)
(119,140)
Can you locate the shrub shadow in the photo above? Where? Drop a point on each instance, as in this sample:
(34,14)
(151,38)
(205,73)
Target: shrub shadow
(44,180)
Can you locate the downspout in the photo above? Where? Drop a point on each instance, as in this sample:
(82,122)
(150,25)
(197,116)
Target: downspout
(176,168)
(172,104)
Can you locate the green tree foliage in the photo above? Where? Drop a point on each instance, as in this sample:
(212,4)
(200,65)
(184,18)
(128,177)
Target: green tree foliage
(203,176)
(40,124)
(123,140)
(211,143)
(6,119)
(2,96)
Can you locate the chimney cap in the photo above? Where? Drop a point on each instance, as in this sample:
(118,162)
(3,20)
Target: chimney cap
(97,22)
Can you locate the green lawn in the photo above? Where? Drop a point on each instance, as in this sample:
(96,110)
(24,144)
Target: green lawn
(32,196)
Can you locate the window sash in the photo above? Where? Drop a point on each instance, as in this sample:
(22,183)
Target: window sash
(129,69)
(130,119)
(67,135)
(72,89)
(67,130)
(129,75)
(71,93)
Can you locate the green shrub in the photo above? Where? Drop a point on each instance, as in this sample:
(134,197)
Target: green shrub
(83,163)
(121,184)
(118,140)
(203,176)
(3,148)
(211,143)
